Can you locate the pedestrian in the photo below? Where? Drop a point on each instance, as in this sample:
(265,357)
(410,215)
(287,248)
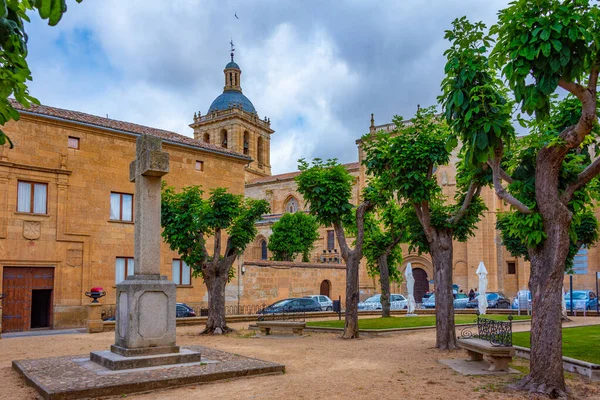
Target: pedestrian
(476,293)
(471,294)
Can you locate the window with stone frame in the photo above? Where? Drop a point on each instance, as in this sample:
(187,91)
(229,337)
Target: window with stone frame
(291,206)
(123,268)
(263,250)
(73,142)
(181,272)
(511,267)
(330,240)
(224,138)
(199,165)
(32,197)
(121,207)
(206,138)
(246,143)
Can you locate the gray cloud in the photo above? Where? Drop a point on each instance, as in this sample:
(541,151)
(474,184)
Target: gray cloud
(316,68)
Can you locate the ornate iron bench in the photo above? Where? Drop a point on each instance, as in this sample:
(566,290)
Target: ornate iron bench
(493,340)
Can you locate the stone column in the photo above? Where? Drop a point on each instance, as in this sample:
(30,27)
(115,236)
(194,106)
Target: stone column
(146,301)
(94,321)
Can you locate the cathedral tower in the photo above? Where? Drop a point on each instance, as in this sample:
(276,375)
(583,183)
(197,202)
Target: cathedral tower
(233,123)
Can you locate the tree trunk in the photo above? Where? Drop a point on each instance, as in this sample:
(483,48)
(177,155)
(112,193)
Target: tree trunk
(215,283)
(351,325)
(384,281)
(546,374)
(441,255)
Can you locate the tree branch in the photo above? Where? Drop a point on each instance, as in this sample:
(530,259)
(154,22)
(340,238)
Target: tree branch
(217,246)
(503,174)
(473,188)
(362,209)
(205,255)
(574,135)
(341,238)
(422,211)
(583,179)
(500,191)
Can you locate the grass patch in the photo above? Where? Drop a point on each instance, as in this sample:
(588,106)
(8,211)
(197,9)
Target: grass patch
(580,342)
(408,322)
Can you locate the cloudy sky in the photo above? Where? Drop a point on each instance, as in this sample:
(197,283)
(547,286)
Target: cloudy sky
(318,69)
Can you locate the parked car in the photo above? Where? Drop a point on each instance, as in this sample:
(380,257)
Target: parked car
(429,302)
(582,299)
(397,302)
(325,302)
(460,300)
(292,305)
(495,300)
(184,311)
(521,293)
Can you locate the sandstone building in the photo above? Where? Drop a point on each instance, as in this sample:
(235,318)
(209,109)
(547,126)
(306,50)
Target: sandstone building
(66,215)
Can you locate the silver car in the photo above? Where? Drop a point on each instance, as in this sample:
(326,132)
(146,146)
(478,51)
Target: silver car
(325,302)
(397,302)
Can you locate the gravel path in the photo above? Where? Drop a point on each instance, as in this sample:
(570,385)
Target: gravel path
(318,366)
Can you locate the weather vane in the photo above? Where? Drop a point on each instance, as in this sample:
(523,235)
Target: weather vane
(232,49)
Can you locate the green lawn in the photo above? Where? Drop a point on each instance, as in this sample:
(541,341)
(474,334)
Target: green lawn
(407,322)
(580,342)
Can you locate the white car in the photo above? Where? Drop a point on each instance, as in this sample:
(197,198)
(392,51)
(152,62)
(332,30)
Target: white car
(325,302)
(397,302)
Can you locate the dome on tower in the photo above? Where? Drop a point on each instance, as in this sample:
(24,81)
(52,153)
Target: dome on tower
(232,64)
(230,98)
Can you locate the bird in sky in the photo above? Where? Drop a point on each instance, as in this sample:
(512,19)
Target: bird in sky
(236,15)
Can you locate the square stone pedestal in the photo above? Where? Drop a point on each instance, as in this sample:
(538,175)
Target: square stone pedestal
(146,306)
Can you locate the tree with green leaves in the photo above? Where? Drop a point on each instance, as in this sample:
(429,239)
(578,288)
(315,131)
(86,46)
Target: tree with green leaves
(404,162)
(293,234)
(327,189)
(14,71)
(384,232)
(188,219)
(539,47)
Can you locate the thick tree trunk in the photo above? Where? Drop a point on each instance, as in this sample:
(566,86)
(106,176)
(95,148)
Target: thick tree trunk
(351,325)
(384,281)
(546,374)
(215,283)
(441,255)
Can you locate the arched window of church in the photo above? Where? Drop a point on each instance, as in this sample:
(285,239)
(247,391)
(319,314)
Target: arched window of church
(206,138)
(263,250)
(224,138)
(259,149)
(246,143)
(231,78)
(291,206)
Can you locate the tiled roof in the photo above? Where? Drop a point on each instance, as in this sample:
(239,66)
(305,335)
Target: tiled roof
(129,127)
(290,175)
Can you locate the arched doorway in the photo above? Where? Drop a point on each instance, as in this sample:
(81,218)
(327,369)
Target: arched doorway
(325,288)
(421,284)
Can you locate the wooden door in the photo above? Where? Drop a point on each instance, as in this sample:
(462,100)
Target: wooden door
(325,288)
(17,285)
(421,284)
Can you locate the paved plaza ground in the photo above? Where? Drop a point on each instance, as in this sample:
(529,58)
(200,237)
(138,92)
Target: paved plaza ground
(318,366)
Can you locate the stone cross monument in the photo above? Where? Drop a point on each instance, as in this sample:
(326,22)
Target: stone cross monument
(146,300)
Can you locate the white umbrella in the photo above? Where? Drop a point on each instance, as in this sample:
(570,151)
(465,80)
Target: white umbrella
(564,302)
(410,288)
(483,282)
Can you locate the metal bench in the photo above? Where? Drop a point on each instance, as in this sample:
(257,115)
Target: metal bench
(493,340)
(297,327)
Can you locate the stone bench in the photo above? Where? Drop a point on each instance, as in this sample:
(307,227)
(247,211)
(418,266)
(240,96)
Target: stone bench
(295,326)
(498,356)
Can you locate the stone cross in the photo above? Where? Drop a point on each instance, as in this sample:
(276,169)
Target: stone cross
(146,170)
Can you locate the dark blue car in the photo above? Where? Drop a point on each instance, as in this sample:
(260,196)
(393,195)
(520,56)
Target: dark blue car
(292,305)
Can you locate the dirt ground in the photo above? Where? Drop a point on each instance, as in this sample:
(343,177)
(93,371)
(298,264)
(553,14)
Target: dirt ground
(318,366)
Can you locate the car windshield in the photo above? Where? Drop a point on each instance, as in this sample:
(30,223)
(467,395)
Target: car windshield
(461,296)
(577,296)
(431,298)
(491,296)
(280,304)
(373,299)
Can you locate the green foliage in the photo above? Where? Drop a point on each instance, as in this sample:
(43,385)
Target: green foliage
(327,190)
(14,71)
(541,42)
(188,219)
(383,235)
(473,101)
(293,234)
(403,162)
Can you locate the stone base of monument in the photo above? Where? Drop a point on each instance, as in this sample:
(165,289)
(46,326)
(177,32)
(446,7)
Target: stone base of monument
(114,361)
(77,377)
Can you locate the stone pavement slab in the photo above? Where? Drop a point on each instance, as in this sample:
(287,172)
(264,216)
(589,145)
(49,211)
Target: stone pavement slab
(71,377)
(466,367)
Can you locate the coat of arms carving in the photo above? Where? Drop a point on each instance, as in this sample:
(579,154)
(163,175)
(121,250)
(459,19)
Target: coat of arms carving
(74,257)
(32,230)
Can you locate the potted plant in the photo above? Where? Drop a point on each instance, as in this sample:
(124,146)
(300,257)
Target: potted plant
(95,293)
